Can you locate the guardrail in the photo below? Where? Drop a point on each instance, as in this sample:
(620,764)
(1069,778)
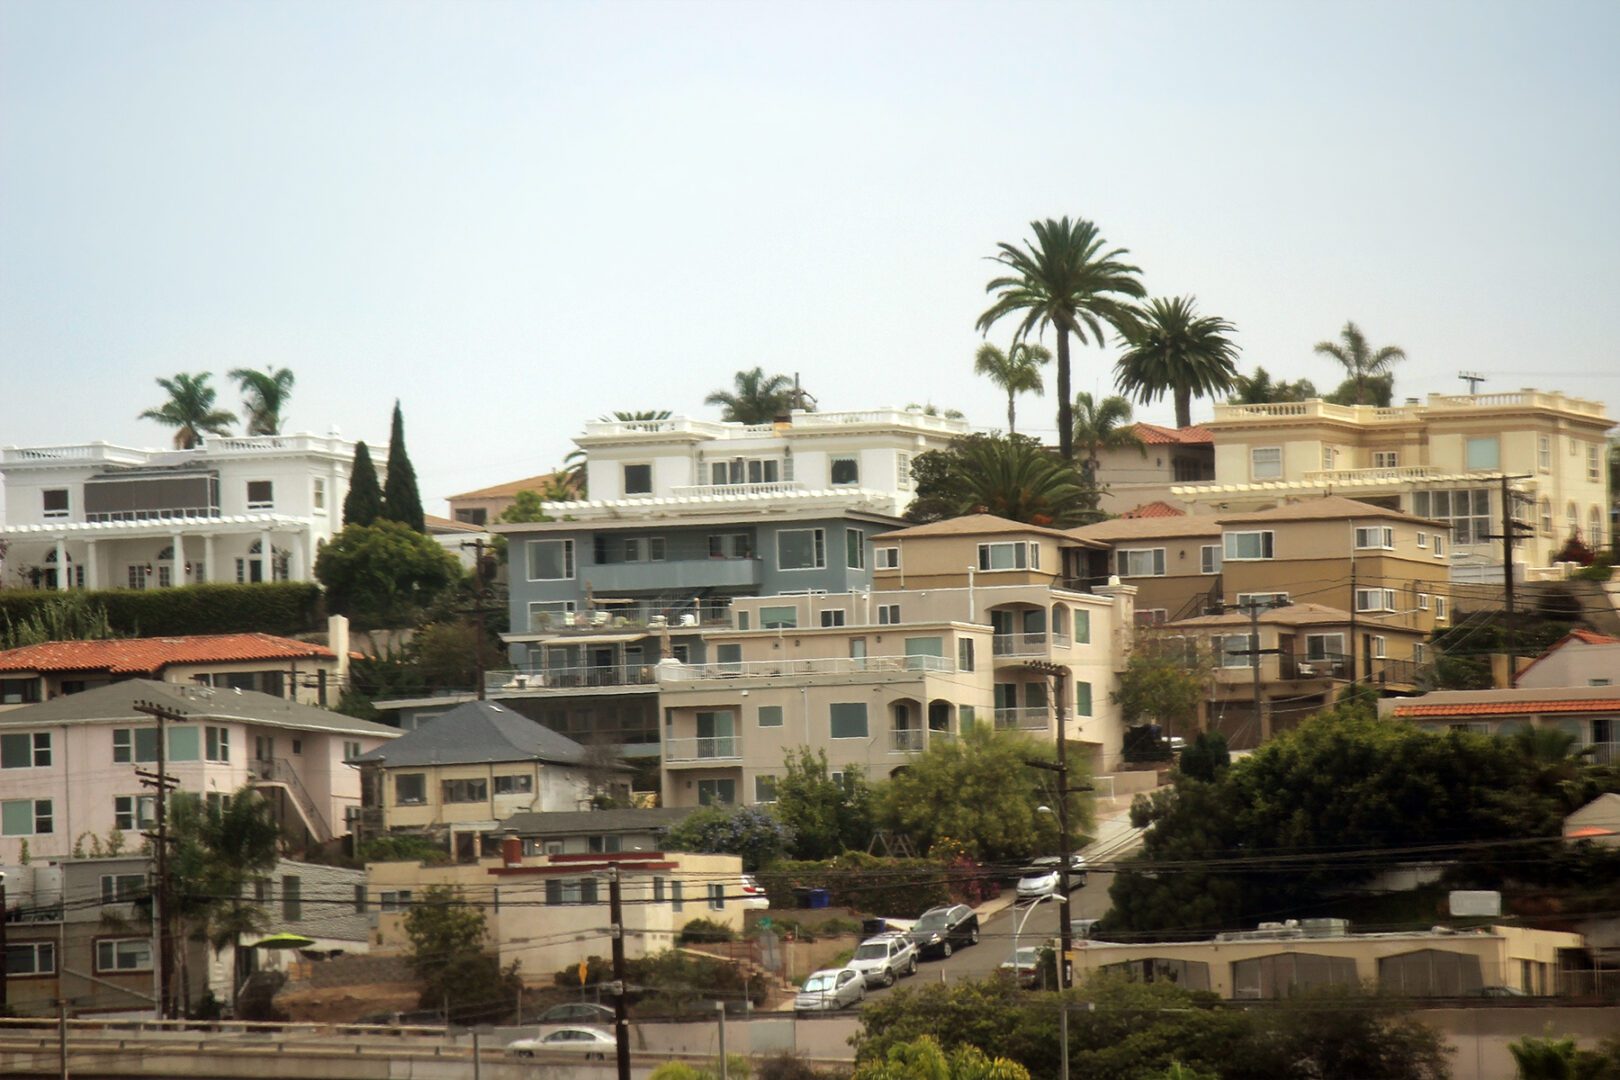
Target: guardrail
(828,665)
(571,678)
(704,748)
(1026,718)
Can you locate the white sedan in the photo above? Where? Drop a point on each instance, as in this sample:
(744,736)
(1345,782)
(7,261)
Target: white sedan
(590,1042)
(829,989)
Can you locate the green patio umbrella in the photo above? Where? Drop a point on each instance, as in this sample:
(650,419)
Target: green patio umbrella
(284,941)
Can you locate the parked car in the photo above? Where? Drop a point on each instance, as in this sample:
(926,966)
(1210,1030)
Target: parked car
(1037,882)
(1025,965)
(1077,867)
(884,958)
(831,988)
(576,1014)
(1083,929)
(588,1042)
(943,930)
(1499,992)
(753,894)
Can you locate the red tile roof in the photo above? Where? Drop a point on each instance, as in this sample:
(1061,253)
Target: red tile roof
(148,656)
(1153,510)
(1155,435)
(1509,708)
(1591,637)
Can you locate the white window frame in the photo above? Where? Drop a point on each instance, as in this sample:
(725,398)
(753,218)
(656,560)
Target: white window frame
(818,544)
(833,617)
(40,750)
(259,504)
(1209,558)
(1229,660)
(1440,606)
(886,558)
(1378,646)
(317,494)
(1544,453)
(1245,599)
(1125,558)
(764,788)
(1326,653)
(902,470)
(135,948)
(1268,545)
(1423,601)
(1375,537)
(1439,546)
(624,478)
(855,557)
(139,810)
(1386,459)
(44,957)
(569,567)
(1255,472)
(833,461)
(888,614)
(1375,599)
(1423,541)
(1594,472)
(1025,556)
(56,515)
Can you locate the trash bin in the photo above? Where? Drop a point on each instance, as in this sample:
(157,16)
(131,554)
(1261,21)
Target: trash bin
(819,898)
(801,898)
(873,927)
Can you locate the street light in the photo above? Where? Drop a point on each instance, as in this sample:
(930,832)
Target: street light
(1018,927)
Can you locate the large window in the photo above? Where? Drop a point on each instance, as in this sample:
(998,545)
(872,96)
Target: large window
(134,744)
(515,784)
(551,560)
(764,788)
(261,495)
(846,471)
(466,790)
(131,812)
(1430,973)
(730,546)
(1324,646)
(784,617)
(801,549)
(770,716)
(638,479)
(854,549)
(123,954)
(715,792)
(744,471)
(1375,536)
(577,891)
(410,789)
(1236,650)
(27,817)
(1484,452)
(847,719)
(1283,974)
(1015,555)
(30,958)
(831,617)
(1141,562)
(218,743)
(1375,599)
(55,502)
(1265,463)
(1247,545)
(26,750)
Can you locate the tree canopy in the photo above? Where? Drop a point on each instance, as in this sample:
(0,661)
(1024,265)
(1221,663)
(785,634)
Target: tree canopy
(1258,389)
(1360,360)
(1017,371)
(401,502)
(1171,349)
(1010,476)
(751,832)
(450,956)
(363,504)
(827,817)
(384,574)
(190,410)
(265,395)
(219,850)
(755,397)
(1103,425)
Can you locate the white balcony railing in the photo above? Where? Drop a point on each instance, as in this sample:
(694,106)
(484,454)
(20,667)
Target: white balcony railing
(830,665)
(1028,644)
(907,740)
(1605,753)
(1398,474)
(1436,403)
(1025,718)
(571,678)
(704,748)
(746,491)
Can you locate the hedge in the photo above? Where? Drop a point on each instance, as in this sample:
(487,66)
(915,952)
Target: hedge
(903,888)
(282,607)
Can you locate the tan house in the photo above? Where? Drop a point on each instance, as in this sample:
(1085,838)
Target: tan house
(1282,959)
(1579,658)
(548,912)
(1589,714)
(1174,562)
(485,505)
(1168,457)
(1442,459)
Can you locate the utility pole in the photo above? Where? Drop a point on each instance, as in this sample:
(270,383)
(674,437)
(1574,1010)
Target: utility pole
(621,1022)
(720,1008)
(161,902)
(1353,674)
(1472,378)
(1058,673)
(1511,532)
(3,916)
(1254,653)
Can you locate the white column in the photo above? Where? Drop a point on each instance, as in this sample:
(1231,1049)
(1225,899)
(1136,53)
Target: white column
(177,567)
(265,550)
(295,563)
(210,571)
(92,567)
(62,573)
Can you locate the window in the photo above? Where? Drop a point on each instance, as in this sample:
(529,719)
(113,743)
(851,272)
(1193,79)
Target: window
(744,470)
(410,789)
(1082,626)
(1262,599)
(124,954)
(1151,616)
(1483,452)
(717,792)
(1247,545)
(351,750)
(1330,457)
(965,715)
(887,558)
(675,902)
(729,657)
(1439,608)
(1423,601)
(658,890)
(638,479)
(1439,546)
(317,495)
(219,743)
(550,614)
(1467,511)
(26,817)
(1375,536)
(30,958)
(730,546)
(359,899)
(20,691)
(55,503)
(468,790)
(604,843)
(1082,698)
(888,614)
(801,549)
(1544,453)
(1324,646)
(1594,528)
(1423,540)
(902,471)
(778,618)
(717,897)
(261,495)
(964,654)
(832,617)
(1592,472)
(1235,650)
(131,812)
(551,560)
(1386,459)
(515,784)
(1141,562)
(578,891)
(855,549)
(770,716)
(845,471)
(298,746)
(28,750)
(1016,555)
(847,720)
(1265,463)
(1377,645)
(184,744)
(765,788)
(641,549)
(292,898)
(1375,599)
(122,888)
(134,744)
(1209,559)
(394,900)
(1572,517)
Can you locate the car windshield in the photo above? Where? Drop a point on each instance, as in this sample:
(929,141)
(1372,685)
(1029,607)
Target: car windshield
(934,920)
(1026,956)
(818,983)
(873,951)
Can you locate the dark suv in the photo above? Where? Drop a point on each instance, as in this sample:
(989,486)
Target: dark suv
(943,930)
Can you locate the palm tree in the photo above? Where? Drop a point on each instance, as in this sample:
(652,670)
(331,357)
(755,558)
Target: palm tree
(1172,349)
(635,416)
(1017,371)
(1064,280)
(1359,360)
(1104,425)
(574,472)
(1258,389)
(190,410)
(1013,477)
(266,395)
(757,398)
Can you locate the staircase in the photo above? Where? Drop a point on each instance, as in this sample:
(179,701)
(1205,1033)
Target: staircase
(275,772)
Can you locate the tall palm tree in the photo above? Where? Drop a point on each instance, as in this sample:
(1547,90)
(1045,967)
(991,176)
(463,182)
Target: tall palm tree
(1258,389)
(1017,371)
(1013,477)
(1360,361)
(1065,280)
(265,395)
(1174,350)
(190,410)
(756,398)
(1103,425)
(634,416)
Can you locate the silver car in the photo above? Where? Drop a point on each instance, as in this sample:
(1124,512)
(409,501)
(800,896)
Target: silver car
(829,989)
(884,958)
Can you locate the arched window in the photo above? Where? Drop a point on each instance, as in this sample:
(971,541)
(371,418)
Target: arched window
(1060,620)
(1430,973)
(1574,516)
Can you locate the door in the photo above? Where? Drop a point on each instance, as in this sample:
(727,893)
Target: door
(716,733)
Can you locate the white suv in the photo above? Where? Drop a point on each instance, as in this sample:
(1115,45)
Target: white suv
(883,959)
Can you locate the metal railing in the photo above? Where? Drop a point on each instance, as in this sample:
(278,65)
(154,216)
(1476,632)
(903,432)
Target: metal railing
(1031,643)
(827,665)
(571,678)
(704,748)
(907,740)
(1605,753)
(156,513)
(278,771)
(1025,718)
(1314,665)
(710,612)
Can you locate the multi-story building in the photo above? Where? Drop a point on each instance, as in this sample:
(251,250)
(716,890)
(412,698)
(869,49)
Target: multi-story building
(1579,658)
(1168,457)
(1173,562)
(68,766)
(1588,714)
(236,508)
(1443,459)
(485,505)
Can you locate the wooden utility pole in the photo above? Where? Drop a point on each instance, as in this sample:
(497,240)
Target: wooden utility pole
(621,1020)
(1511,532)
(1058,674)
(162,903)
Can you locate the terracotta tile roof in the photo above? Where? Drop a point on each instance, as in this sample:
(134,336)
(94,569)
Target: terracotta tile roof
(1508,708)
(148,656)
(1327,507)
(1155,509)
(973,525)
(1155,435)
(511,487)
(1591,637)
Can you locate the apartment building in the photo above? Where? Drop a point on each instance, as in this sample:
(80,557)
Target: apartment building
(1168,457)
(68,766)
(1174,562)
(1589,714)
(235,508)
(966,623)
(1440,459)
(1579,658)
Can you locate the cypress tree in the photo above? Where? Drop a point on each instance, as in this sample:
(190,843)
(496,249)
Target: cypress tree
(363,504)
(401,501)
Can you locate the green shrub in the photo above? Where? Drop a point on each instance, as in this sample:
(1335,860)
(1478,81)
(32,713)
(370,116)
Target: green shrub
(703,930)
(281,607)
(904,888)
(401,848)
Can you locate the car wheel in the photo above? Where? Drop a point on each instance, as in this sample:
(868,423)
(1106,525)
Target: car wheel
(525,1053)
(973,936)
(945,949)
(911,968)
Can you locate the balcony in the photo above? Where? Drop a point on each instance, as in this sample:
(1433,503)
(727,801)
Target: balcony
(907,740)
(1401,474)
(571,678)
(673,575)
(1027,718)
(703,749)
(1317,409)
(1604,753)
(736,491)
(1313,666)
(828,665)
(1038,643)
(714,611)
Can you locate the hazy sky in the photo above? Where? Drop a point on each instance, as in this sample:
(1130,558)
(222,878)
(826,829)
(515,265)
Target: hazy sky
(516,216)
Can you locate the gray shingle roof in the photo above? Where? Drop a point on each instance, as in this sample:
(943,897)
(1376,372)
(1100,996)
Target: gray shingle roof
(116,702)
(581,822)
(474,733)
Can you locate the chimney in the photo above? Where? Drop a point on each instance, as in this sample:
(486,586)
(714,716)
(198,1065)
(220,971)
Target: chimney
(511,850)
(337,639)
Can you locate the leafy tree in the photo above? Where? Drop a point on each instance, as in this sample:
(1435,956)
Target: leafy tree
(1010,476)
(394,672)
(1206,757)
(64,616)
(403,847)
(922,1059)
(190,410)
(1163,683)
(1017,371)
(748,831)
(1063,280)
(1100,426)
(1361,361)
(384,574)
(363,504)
(827,817)
(526,506)
(635,416)
(447,655)
(575,473)
(451,960)
(1377,389)
(755,397)
(1340,1031)
(265,396)
(1174,350)
(401,502)
(1258,389)
(980,793)
(930,409)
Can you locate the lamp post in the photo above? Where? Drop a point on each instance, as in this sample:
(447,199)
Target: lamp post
(1018,927)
